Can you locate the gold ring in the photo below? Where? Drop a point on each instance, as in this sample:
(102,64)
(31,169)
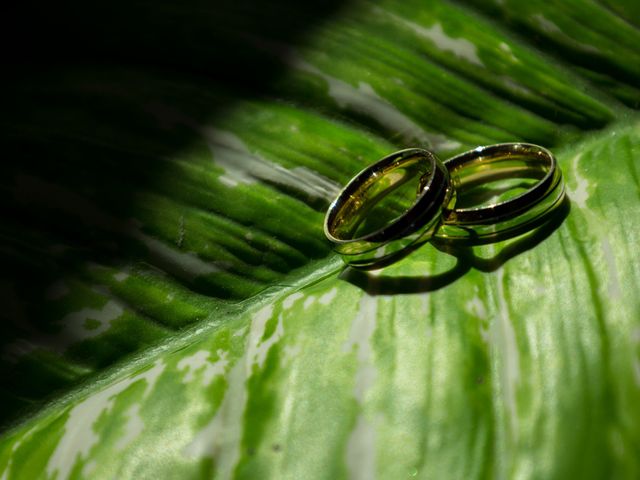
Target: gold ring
(508,218)
(360,231)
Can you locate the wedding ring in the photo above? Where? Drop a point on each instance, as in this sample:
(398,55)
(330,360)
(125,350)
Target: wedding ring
(508,218)
(354,209)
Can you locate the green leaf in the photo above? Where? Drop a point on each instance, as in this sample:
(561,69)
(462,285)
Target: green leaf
(172,309)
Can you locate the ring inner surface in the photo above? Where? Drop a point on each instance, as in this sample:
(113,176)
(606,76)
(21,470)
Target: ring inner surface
(379,197)
(499,184)
(504,180)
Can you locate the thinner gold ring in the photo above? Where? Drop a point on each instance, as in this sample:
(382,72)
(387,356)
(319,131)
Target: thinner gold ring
(502,219)
(349,219)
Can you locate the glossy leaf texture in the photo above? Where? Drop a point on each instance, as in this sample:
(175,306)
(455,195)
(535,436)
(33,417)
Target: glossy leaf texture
(171,307)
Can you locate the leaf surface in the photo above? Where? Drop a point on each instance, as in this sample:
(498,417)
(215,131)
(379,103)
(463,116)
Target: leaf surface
(173,311)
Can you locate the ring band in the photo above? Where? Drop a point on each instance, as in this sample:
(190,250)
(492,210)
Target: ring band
(369,187)
(479,225)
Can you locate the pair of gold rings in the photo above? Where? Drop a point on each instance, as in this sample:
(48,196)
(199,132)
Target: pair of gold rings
(358,224)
